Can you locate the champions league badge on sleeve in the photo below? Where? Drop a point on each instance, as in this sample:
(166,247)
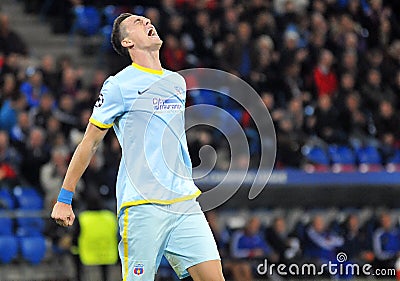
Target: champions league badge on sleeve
(99,101)
(138,269)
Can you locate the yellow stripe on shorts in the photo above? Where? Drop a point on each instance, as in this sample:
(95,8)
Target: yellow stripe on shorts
(125,241)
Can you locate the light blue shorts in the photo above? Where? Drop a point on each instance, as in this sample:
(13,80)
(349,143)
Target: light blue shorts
(179,231)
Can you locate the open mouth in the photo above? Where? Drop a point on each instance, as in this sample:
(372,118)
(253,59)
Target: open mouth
(151,33)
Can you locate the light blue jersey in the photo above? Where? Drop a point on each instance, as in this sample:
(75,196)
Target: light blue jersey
(146,108)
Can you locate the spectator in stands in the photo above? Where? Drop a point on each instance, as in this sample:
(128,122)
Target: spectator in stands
(70,82)
(8,89)
(20,132)
(321,243)
(65,113)
(52,174)
(355,120)
(77,132)
(286,247)
(202,35)
(9,112)
(11,65)
(40,115)
(289,144)
(324,77)
(94,179)
(9,161)
(35,154)
(238,57)
(347,86)
(387,124)
(10,41)
(53,131)
(327,126)
(33,88)
(374,91)
(263,76)
(173,54)
(396,85)
(386,242)
(292,85)
(357,244)
(247,246)
(49,73)
(95,85)
(349,64)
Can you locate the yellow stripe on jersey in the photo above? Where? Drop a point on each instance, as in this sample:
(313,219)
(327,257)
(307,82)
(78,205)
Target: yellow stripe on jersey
(100,124)
(159,201)
(146,69)
(125,242)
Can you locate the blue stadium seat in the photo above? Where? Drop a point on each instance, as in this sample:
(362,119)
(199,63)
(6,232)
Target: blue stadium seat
(393,162)
(343,158)
(9,248)
(33,249)
(110,13)
(6,199)
(369,159)
(87,21)
(28,198)
(6,225)
(30,226)
(369,155)
(317,158)
(204,97)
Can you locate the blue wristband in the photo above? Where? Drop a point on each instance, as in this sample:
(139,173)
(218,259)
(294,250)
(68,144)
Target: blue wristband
(65,196)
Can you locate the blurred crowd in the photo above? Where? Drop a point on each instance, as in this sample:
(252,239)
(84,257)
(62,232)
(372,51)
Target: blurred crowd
(327,70)
(358,239)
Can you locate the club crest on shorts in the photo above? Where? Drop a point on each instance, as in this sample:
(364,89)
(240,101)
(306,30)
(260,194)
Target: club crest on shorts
(100,100)
(138,269)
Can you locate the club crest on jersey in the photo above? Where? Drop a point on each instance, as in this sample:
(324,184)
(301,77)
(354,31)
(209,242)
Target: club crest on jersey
(138,269)
(99,101)
(180,92)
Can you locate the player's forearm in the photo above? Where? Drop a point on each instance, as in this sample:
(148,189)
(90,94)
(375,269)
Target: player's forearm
(79,162)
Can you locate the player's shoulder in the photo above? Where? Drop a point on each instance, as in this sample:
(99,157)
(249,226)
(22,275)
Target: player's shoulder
(173,75)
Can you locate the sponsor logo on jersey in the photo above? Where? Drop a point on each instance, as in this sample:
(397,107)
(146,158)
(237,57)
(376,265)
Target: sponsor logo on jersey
(138,269)
(167,105)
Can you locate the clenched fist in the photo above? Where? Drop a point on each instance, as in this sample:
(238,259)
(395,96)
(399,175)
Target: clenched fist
(63,215)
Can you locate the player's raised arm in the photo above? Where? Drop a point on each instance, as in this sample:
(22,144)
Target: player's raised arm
(62,210)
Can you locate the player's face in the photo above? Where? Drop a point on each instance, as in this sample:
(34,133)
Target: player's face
(142,33)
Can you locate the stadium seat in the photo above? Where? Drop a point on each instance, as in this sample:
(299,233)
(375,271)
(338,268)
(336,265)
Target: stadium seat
(6,199)
(6,225)
(30,226)
(343,159)
(369,159)
(317,159)
(9,248)
(110,13)
(33,249)
(87,21)
(28,198)
(393,163)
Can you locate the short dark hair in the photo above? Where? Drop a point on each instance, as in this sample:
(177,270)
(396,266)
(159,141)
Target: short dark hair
(116,36)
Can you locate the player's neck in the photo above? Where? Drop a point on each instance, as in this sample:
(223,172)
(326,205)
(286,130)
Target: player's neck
(148,59)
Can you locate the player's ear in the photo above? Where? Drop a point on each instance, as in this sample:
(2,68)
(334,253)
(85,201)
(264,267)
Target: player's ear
(127,43)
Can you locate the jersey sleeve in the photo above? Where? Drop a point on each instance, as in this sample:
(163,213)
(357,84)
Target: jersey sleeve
(108,106)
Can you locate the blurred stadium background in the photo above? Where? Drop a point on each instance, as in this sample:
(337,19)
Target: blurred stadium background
(328,71)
